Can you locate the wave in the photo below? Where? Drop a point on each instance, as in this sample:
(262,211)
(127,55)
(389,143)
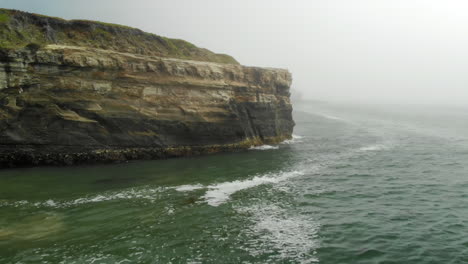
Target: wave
(292,235)
(375,147)
(331,117)
(293,140)
(264,147)
(215,195)
(218,194)
(147,194)
(39,225)
(188,187)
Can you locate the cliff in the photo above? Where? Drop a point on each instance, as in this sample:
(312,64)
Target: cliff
(73,104)
(18,29)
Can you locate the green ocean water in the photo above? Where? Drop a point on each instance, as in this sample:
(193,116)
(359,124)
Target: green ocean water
(357,184)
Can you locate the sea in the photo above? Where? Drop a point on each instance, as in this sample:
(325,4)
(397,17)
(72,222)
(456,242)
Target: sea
(355,184)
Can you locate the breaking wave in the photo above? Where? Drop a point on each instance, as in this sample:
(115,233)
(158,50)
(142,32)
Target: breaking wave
(264,147)
(293,140)
(188,187)
(331,117)
(218,194)
(375,147)
(150,194)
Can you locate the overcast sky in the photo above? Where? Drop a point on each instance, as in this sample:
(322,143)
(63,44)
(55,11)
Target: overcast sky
(396,51)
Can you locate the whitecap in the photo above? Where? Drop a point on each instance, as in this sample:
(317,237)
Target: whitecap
(293,140)
(331,117)
(51,203)
(375,147)
(218,194)
(144,193)
(188,187)
(264,147)
(292,235)
(297,136)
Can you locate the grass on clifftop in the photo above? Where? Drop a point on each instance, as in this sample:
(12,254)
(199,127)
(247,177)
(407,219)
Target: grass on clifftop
(4,18)
(18,29)
(101,23)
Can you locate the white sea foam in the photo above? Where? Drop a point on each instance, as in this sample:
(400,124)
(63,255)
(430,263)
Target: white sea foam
(375,147)
(297,136)
(264,147)
(331,117)
(145,193)
(293,235)
(218,194)
(188,187)
(293,140)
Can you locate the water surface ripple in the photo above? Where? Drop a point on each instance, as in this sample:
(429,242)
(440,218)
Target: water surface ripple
(354,185)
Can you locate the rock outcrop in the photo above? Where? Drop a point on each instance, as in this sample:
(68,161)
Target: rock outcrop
(74,104)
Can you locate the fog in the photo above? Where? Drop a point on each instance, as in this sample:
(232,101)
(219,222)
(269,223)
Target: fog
(394,51)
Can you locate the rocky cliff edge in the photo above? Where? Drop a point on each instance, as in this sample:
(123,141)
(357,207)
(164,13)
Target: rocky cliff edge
(64,104)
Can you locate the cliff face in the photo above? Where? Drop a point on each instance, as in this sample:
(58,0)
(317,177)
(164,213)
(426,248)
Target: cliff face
(62,104)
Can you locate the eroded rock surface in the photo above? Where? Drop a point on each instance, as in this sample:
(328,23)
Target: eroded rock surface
(71,104)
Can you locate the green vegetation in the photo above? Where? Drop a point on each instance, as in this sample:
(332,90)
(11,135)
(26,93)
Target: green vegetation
(4,18)
(224,58)
(101,23)
(101,32)
(14,39)
(43,16)
(29,28)
(33,46)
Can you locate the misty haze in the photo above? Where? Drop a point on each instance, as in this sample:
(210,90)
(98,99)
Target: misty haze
(215,131)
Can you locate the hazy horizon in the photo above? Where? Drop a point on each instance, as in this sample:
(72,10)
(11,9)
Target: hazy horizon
(359,51)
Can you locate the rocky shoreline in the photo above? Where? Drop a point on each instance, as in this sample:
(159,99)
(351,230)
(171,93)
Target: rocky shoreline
(66,156)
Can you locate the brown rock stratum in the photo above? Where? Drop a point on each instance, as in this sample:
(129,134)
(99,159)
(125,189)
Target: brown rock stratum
(64,104)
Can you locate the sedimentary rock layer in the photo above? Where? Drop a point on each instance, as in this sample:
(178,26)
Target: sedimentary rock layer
(74,104)
(74,91)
